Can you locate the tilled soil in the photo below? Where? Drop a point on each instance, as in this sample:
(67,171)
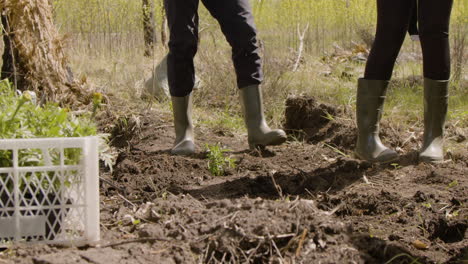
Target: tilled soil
(307,201)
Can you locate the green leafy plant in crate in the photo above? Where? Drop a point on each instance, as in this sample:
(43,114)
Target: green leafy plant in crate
(21,117)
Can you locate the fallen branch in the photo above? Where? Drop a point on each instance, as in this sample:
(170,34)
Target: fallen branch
(139,240)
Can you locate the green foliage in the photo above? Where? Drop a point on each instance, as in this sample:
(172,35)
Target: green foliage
(20,117)
(396,166)
(217,161)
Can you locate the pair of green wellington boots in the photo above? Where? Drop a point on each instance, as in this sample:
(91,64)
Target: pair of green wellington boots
(259,134)
(370,99)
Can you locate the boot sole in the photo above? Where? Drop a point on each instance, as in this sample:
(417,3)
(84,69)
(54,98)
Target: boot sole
(431,160)
(185,149)
(273,143)
(182,153)
(357,156)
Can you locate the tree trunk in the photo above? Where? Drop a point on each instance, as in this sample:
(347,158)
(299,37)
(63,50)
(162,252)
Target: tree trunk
(164,38)
(149,27)
(34,57)
(9,70)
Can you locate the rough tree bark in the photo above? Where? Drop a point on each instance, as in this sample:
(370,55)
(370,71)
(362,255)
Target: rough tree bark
(10,56)
(149,27)
(34,56)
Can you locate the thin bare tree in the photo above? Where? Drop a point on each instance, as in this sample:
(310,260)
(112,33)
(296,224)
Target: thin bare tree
(149,27)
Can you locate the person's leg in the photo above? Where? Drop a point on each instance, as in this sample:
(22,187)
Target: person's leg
(434,17)
(237,23)
(182,19)
(392,24)
(434,23)
(413,30)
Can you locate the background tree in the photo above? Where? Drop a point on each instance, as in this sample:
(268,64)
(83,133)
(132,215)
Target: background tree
(149,27)
(34,57)
(9,70)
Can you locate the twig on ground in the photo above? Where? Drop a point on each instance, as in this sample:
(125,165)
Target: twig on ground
(232,216)
(309,192)
(277,187)
(335,209)
(412,136)
(139,240)
(277,249)
(252,253)
(126,200)
(111,183)
(301,242)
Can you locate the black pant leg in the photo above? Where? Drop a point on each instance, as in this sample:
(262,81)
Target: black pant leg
(434,23)
(237,24)
(182,18)
(392,24)
(413,23)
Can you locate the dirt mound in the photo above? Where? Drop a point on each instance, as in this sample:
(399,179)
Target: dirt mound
(307,114)
(308,119)
(315,122)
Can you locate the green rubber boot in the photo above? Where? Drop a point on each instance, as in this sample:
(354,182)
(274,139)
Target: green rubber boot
(369,107)
(182,109)
(259,134)
(435,112)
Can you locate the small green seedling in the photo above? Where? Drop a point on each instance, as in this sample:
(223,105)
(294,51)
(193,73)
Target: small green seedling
(427,205)
(396,166)
(453,184)
(218,163)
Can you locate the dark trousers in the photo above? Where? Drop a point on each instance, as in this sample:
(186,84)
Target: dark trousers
(413,22)
(237,24)
(393,17)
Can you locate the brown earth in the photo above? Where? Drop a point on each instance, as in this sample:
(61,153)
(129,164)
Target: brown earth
(307,201)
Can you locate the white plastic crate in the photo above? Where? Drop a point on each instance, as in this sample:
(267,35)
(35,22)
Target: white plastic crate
(49,191)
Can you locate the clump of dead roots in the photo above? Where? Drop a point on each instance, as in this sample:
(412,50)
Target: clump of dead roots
(37,52)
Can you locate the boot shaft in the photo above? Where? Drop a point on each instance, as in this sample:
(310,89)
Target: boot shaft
(182,110)
(371,96)
(435,108)
(369,107)
(252,106)
(259,134)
